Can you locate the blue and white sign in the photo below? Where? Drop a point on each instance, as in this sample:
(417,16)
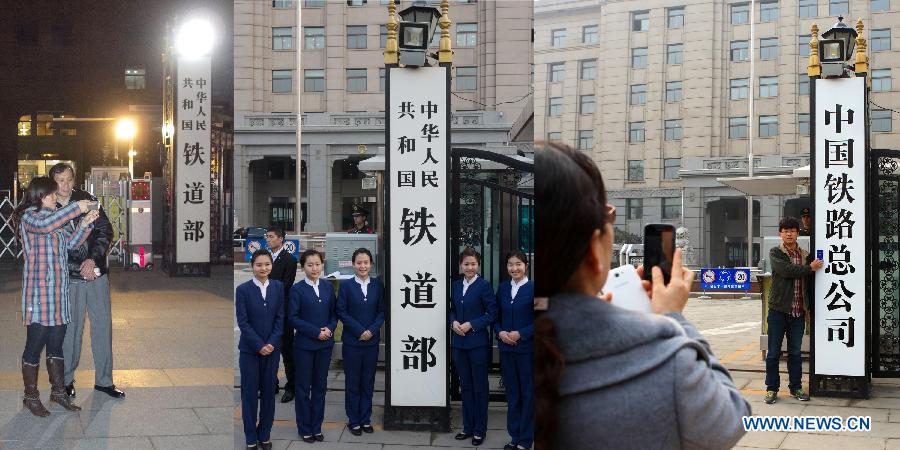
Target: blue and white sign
(725,279)
(291,246)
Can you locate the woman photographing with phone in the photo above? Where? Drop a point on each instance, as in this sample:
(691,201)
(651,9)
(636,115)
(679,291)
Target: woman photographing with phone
(606,377)
(45,285)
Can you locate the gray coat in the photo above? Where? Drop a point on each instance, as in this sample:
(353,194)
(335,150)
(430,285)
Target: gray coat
(640,381)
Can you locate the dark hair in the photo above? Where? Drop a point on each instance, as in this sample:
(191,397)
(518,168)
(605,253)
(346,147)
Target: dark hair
(469,251)
(362,251)
(517,254)
(788,223)
(572,199)
(34,194)
(59,168)
(308,253)
(258,253)
(277,230)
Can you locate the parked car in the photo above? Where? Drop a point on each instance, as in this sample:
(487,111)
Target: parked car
(242,234)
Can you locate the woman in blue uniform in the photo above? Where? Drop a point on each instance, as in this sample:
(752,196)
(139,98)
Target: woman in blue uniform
(259,309)
(312,315)
(472,310)
(360,307)
(515,332)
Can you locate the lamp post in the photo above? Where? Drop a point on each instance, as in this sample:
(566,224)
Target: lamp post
(836,48)
(125,130)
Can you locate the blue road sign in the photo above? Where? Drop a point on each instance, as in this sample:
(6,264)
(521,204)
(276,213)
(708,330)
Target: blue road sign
(725,279)
(292,246)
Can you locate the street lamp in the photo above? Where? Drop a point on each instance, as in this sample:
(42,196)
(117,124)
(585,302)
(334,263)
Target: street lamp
(836,48)
(125,130)
(417,26)
(195,38)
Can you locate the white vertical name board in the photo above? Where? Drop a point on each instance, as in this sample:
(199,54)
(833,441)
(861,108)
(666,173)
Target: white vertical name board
(418,143)
(840,231)
(193,120)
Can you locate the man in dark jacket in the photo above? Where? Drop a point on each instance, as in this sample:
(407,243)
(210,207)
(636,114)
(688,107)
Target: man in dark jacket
(284,269)
(792,270)
(88,291)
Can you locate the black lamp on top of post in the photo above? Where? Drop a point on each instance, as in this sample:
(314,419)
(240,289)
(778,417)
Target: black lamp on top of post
(418,23)
(836,48)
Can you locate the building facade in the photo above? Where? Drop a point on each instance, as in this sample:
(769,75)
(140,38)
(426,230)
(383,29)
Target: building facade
(341,89)
(658,94)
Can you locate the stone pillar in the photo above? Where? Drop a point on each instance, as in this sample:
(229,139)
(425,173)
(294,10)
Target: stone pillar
(694,213)
(318,175)
(243,188)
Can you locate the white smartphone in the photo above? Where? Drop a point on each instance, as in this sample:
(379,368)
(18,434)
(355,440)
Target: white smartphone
(627,292)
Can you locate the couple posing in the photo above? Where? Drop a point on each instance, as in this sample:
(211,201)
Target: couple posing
(65,237)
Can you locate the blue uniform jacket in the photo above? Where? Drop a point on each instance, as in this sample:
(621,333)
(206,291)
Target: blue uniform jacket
(516,315)
(478,307)
(358,315)
(260,321)
(309,313)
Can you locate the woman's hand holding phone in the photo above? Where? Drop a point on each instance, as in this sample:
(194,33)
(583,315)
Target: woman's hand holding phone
(674,296)
(89,218)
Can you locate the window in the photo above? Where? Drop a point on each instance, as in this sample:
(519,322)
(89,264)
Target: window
(638,94)
(768,87)
(880,120)
(674,53)
(466,78)
(803,120)
(585,140)
(671,208)
(808,8)
(134,79)
(740,13)
(586,104)
(737,127)
(313,37)
(673,130)
(803,84)
(768,126)
(356,2)
(881,39)
(739,51)
(881,80)
(803,42)
(356,36)
(880,5)
(768,48)
(558,37)
(435,39)
(640,21)
(635,170)
(381,77)
(838,7)
(639,58)
(589,34)
(382,36)
(24,128)
(636,133)
(673,91)
(466,34)
(314,4)
(554,136)
(356,80)
(314,80)
(588,69)
(557,72)
(282,81)
(282,37)
(287,3)
(554,107)
(768,11)
(675,17)
(634,207)
(740,88)
(671,167)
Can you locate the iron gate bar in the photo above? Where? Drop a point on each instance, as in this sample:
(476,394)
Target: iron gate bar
(883,165)
(499,187)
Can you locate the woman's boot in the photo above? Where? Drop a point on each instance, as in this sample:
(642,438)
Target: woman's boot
(32,399)
(57,371)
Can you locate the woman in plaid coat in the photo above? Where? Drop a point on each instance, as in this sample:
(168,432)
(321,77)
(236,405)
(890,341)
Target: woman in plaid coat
(45,284)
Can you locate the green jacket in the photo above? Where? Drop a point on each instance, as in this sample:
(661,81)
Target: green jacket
(784,273)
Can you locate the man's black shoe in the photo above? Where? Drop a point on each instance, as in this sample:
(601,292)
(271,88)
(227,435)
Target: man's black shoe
(476,441)
(356,431)
(110,391)
(462,436)
(320,437)
(70,389)
(509,446)
(287,397)
(368,429)
(309,439)
(265,445)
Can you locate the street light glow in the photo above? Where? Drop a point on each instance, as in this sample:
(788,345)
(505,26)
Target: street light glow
(125,129)
(195,38)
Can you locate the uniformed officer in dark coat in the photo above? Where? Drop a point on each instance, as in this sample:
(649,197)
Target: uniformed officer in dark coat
(360,216)
(805,222)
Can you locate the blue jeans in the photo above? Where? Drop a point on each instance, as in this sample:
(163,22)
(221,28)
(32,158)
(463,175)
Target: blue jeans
(779,325)
(39,336)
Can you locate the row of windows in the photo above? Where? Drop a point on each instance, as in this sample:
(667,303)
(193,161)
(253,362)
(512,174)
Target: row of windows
(357,80)
(634,207)
(281,4)
(314,37)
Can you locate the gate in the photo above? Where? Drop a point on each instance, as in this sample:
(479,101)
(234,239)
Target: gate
(10,251)
(493,212)
(884,245)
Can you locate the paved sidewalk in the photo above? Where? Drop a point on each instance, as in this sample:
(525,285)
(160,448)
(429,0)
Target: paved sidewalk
(169,358)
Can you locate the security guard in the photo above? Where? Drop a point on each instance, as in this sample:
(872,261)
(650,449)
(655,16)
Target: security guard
(360,216)
(805,222)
